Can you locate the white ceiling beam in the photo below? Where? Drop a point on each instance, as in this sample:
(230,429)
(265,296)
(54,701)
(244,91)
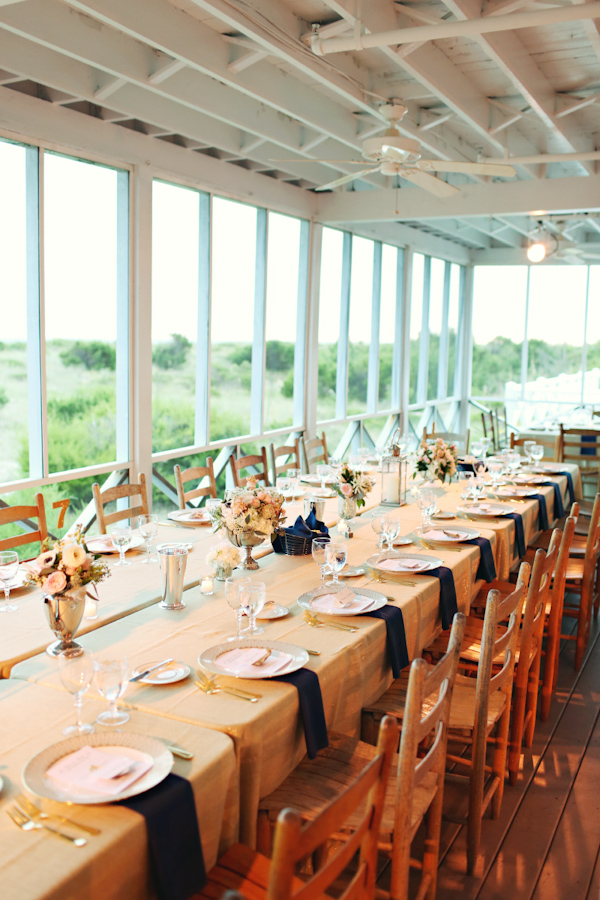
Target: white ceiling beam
(580,104)
(433,123)
(245,60)
(509,53)
(591,29)
(554,194)
(112,85)
(421,241)
(165,69)
(23,117)
(460,230)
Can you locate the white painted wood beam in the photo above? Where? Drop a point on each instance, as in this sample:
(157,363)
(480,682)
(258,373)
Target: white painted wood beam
(591,28)
(463,230)
(165,70)
(554,194)
(433,123)
(401,235)
(111,85)
(245,60)
(309,144)
(573,107)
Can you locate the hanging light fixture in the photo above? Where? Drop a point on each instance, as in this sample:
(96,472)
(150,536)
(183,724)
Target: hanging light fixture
(542,243)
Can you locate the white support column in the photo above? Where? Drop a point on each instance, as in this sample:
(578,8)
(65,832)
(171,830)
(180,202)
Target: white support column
(402,343)
(341,388)
(465,348)
(584,342)
(260,309)
(442,388)
(424,339)
(202,423)
(301,344)
(311,375)
(36,357)
(373,375)
(141,243)
(525,346)
(124,371)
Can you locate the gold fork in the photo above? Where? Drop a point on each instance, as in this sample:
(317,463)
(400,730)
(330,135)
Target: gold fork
(217,689)
(211,684)
(316,623)
(35,812)
(383,580)
(429,546)
(26,824)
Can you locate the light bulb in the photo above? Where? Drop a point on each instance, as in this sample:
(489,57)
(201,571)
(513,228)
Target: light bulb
(536,252)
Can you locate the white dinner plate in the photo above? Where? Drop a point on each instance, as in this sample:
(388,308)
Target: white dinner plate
(440,514)
(318,494)
(432,562)
(490,512)
(403,541)
(351,572)
(135,746)
(168,674)
(104,544)
(181,544)
(314,479)
(508,493)
(19,579)
(273,612)
(209,659)
(190,516)
(444,535)
(524,478)
(306,601)
(549,469)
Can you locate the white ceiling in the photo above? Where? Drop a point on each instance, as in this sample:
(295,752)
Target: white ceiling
(239,81)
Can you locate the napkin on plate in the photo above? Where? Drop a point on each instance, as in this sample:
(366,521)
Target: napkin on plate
(198,514)
(100,544)
(445,534)
(403,565)
(345,599)
(240,661)
(97,771)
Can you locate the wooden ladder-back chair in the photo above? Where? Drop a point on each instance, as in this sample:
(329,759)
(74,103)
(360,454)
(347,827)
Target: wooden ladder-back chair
(549,443)
(489,429)
(362,801)
(582,580)
(415,789)
(451,437)
(109,495)
(315,451)
(501,426)
(196,474)
(12,514)
(292,455)
(582,446)
(244,462)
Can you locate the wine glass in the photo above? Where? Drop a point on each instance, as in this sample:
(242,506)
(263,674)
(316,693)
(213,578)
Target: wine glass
(514,462)
(427,502)
(527,447)
(495,470)
(318,554)
(283,485)
(336,556)
(253,598)
(294,476)
(9,566)
(322,472)
(537,452)
(112,677)
(391,530)
(148,526)
(377,526)
(121,537)
(477,487)
(76,674)
(335,464)
(233,595)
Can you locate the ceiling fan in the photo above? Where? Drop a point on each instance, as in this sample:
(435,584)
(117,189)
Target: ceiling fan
(393,154)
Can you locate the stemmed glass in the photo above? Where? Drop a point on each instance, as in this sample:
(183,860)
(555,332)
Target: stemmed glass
(112,677)
(9,566)
(335,464)
(495,470)
(233,595)
(537,452)
(477,487)
(336,556)
(391,530)
(121,538)
(527,447)
(76,674)
(318,554)
(427,502)
(148,526)
(514,462)
(322,472)
(253,598)
(377,526)
(294,476)
(464,480)
(283,485)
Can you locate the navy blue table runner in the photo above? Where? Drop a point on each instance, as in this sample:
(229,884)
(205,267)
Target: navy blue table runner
(487,566)
(396,636)
(311,708)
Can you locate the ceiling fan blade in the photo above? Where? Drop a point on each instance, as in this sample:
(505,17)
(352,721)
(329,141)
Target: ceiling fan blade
(468,168)
(345,180)
(348,162)
(429,182)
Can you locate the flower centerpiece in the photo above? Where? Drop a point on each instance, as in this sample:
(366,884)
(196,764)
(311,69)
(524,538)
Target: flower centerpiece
(352,488)
(64,571)
(436,459)
(223,557)
(249,515)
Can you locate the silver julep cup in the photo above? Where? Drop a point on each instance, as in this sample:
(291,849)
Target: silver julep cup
(173,559)
(315,504)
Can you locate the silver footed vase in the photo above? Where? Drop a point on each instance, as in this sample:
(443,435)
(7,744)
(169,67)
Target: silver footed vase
(65,612)
(248,540)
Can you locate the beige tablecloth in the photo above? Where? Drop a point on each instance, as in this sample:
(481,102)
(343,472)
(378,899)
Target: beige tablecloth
(36,865)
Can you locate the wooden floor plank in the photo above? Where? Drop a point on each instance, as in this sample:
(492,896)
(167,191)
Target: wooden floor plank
(594,889)
(573,855)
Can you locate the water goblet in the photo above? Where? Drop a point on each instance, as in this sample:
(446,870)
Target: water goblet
(514,462)
(377,526)
(76,674)
(283,485)
(336,555)
(322,472)
(9,566)
(527,447)
(318,554)
(464,480)
(294,476)
(121,537)
(112,676)
(477,487)
(148,526)
(495,470)
(253,598)
(233,595)
(537,452)
(391,530)
(427,502)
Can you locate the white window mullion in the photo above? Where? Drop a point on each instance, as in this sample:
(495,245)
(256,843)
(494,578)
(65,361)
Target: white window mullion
(341,389)
(424,339)
(141,265)
(301,325)
(36,337)
(442,388)
(373,374)
(203,344)
(123,319)
(584,342)
(260,310)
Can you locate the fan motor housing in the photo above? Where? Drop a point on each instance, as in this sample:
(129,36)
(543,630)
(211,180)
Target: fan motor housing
(411,150)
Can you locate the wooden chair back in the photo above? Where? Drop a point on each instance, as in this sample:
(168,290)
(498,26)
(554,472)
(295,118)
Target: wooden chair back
(196,474)
(364,801)
(452,437)
(292,455)
(315,451)
(489,428)
(552,444)
(102,498)
(256,459)
(501,425)
(11,514)
(586,453)
(424,725)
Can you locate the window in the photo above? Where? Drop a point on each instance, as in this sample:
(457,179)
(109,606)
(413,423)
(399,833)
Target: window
(330,297)
(416,315)
(436,310)
(234,254)
(453,324)
(499,301)
(359,335)
(387,324)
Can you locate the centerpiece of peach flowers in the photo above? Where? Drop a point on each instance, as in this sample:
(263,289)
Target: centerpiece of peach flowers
(249,515)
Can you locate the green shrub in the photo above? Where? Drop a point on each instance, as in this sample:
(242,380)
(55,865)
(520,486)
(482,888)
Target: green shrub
(3,397)
(240,355)
(279,356)
(91,354)
(172,355)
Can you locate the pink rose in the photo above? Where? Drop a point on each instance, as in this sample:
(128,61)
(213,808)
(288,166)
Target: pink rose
(346,489)
(55,583)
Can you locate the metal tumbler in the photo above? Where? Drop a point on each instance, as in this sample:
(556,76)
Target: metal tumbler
(173,559)
(316,505)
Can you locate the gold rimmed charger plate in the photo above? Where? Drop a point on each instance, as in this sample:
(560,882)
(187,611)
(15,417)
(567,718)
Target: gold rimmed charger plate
(306,601)
(209,659)
(433,563)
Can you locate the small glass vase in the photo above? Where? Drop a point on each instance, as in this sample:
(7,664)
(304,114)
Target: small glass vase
(222,573)
(347,508)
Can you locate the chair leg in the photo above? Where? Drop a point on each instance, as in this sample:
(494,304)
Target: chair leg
(516,733)
(432,841)
(582,628)
(475,808)
(533,687)
(263,833)
(499,759)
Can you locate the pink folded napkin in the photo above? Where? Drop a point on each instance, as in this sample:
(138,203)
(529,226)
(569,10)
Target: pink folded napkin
(240,661)
(94,770)
(98,544)
(482,507)
(403,565)
(346,600)
(448,534)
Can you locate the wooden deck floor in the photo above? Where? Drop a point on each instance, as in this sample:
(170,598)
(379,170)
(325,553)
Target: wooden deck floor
(546,843)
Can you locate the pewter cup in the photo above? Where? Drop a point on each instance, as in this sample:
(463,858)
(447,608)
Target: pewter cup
(64,612)
(316,504)
(173,559)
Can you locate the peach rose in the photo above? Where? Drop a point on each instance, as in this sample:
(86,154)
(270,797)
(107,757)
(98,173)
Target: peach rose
(55,583)
(346,489)
(73,555)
